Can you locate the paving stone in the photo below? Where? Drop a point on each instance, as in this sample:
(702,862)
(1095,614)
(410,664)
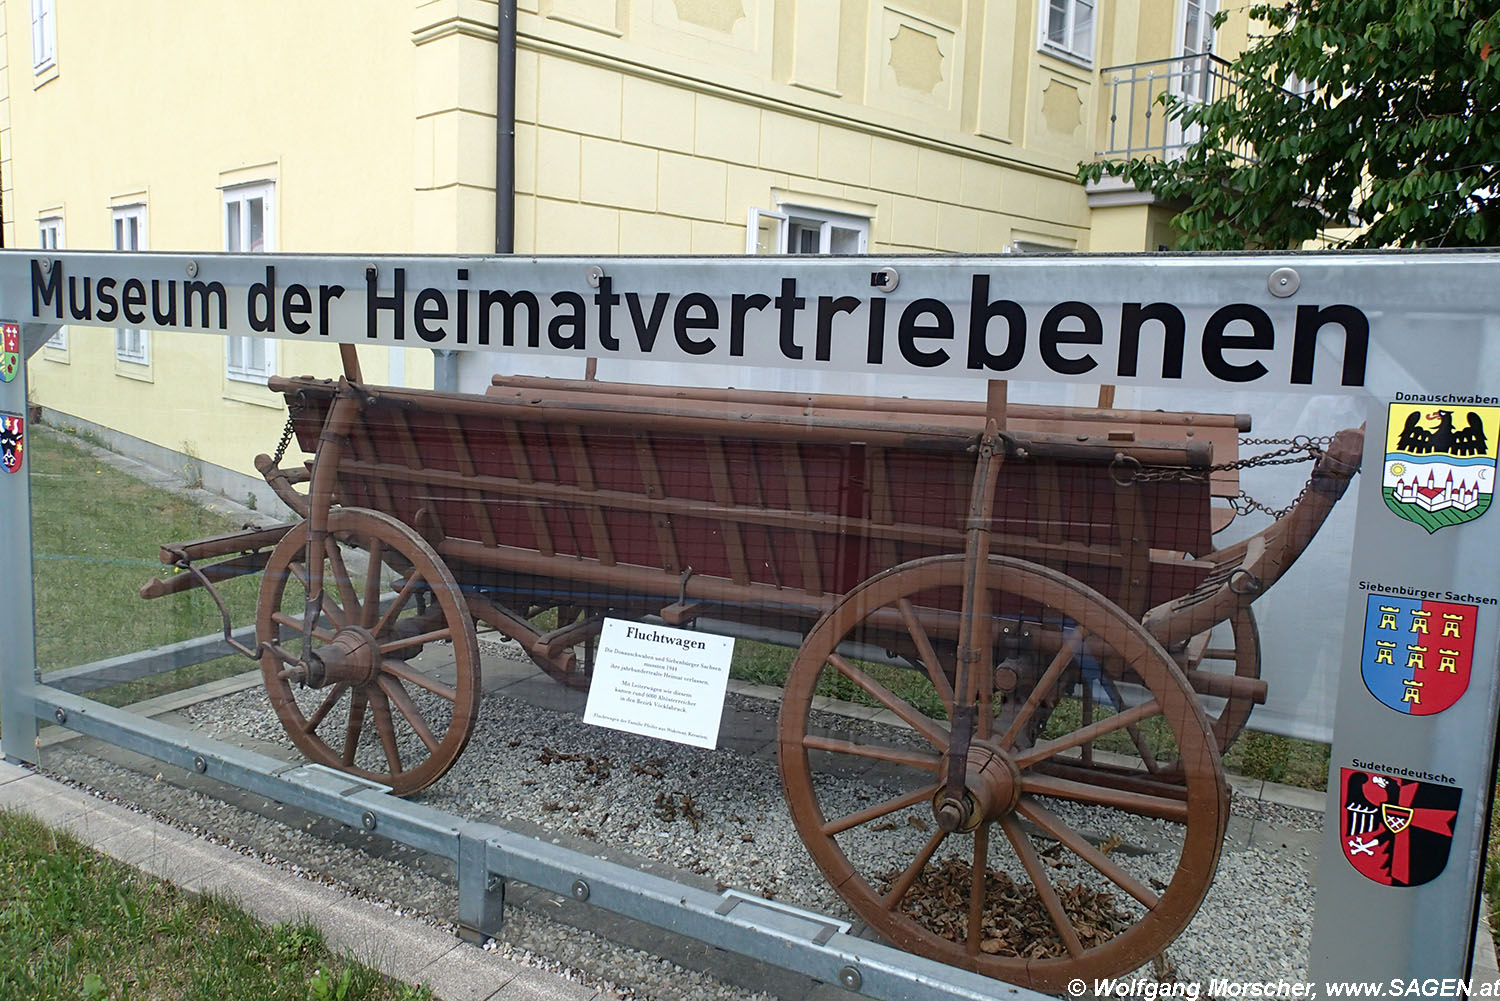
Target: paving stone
(397,947)
(534,985)
(467,973)
(11,772)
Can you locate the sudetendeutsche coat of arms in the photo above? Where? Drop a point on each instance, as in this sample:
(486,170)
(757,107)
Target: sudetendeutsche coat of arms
(1440,463)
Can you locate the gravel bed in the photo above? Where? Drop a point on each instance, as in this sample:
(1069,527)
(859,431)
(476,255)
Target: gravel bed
(719,818)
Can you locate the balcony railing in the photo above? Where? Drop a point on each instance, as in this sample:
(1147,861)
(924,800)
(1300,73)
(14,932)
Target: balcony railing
(1138,122)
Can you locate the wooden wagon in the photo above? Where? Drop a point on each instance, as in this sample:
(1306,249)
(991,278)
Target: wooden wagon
(1022,587)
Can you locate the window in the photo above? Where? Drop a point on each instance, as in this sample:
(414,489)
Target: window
(796,229)
(132,344)
(50,237)
(1197,43)
(1068,28)
(248,229)
(43,35)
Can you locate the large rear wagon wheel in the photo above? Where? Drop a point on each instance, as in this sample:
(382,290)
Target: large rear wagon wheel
(1043,818)
(351,698)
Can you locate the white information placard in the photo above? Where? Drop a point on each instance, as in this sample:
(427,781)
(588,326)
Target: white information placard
(660,682)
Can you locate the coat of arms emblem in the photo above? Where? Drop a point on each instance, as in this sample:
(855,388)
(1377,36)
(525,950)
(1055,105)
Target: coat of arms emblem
(1417,653)
(12,441)
(1440,463)
(1394,831)
(10,351)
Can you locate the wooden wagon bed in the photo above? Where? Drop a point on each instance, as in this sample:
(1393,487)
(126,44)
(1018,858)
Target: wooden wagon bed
(1009,558)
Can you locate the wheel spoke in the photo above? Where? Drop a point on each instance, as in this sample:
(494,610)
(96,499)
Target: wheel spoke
(880,810)
(1078,845)
(341,578)
(406,707)
(402,670)
(892,900)
(936,734)
(928,653)
(371,608)
(1026,852)
(386,728)
(916,759)
(979,876)
(1045,684)
(281,618)
(1087,751)
(418,640)
(1087,734)
(1165,807)
(1141,745)
(407,590)
(356,723)
(329,701)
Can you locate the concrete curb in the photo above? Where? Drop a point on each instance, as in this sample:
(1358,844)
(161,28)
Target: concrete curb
(403,948)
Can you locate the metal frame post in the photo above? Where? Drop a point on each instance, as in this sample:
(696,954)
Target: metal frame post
(18,668)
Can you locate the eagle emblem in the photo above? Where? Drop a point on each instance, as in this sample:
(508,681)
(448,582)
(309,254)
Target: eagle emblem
(12,441)
(1394,831)
(1440,463)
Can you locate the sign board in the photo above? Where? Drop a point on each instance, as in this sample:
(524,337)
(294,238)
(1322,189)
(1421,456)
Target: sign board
(1401,616)
(658,681)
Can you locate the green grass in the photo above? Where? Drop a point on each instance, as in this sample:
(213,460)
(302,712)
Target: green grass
(95,536)
(76,925)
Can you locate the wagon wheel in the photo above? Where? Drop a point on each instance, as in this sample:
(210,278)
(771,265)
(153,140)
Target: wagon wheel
(377,716)
(864,797)
(1240,658)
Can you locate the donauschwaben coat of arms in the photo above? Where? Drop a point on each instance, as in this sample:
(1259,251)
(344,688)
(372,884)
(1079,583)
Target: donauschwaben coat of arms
(1440,463)
(10,351)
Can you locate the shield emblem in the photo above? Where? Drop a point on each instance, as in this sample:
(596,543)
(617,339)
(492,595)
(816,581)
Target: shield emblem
(1396,817)
(12,441)
(10,351)
(1418,654)
(1440,463)
(1396,832)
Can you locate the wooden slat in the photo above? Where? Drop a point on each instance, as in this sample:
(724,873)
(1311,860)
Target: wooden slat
(760,502)
(406,438)
(734,542)
(522,463)
(585,472)
(363,449)
(943,539)
(460,445)
(880,507)
(796,489)
(1133,591)
(661,520)
(1049,502)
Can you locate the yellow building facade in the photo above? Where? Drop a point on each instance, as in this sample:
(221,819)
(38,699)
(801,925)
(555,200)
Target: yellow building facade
(641,127)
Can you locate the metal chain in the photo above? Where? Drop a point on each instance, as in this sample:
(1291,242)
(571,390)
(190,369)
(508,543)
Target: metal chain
(292,411)
(1302,448)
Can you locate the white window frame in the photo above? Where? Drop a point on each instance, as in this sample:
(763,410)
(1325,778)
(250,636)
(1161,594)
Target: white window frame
(239,351)
(43,35)
(50,237)
(788,222)
(1078,33)
(132,344)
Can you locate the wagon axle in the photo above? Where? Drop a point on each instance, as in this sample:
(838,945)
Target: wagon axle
(992,788)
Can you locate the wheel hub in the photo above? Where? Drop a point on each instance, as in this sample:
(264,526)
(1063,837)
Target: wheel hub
(352,657)
(992,788)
